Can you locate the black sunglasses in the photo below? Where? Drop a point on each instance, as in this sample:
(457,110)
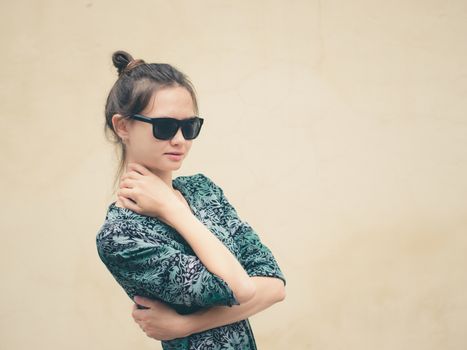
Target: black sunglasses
(164,128)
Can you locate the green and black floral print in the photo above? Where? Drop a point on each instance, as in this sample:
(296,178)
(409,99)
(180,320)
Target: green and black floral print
(150,258)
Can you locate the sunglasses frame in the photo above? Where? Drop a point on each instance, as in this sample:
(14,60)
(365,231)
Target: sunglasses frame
(180,123)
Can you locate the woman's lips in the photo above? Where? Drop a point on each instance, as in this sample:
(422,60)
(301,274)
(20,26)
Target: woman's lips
(174,156)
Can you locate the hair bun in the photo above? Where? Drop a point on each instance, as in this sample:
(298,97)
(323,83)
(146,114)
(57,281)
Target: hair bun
(123,61)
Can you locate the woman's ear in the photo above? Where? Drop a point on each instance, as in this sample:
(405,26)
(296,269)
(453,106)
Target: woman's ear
(120,125)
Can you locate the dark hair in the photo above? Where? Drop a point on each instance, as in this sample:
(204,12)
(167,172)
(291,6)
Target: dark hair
(137,82)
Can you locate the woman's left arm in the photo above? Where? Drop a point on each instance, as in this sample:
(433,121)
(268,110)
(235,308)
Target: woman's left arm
(269,290)
(153,321)
(255,256)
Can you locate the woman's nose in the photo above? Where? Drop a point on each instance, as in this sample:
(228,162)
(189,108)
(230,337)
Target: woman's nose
(178,137)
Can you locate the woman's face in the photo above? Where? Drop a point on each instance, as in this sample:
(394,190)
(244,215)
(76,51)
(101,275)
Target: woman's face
(143,148)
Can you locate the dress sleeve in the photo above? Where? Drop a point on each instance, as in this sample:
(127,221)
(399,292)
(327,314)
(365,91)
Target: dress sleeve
(143,264)
(255,257)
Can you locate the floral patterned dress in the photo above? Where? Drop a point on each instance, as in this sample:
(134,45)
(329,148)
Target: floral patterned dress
(150,258)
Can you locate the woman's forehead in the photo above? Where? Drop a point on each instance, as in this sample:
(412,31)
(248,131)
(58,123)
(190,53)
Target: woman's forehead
(171,101)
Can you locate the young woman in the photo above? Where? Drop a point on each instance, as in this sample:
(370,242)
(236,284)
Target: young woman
(177,246)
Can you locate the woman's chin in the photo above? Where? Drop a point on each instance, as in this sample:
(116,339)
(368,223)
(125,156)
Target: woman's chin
(170,165)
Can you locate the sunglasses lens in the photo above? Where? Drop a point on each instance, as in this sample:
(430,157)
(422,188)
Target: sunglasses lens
(191,129)
(165,129)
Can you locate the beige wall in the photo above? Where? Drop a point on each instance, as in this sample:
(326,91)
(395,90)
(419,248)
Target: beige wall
(337,128)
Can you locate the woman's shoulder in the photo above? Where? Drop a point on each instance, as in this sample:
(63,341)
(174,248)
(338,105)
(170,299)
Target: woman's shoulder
(199,183)
(193,178)
(124,222)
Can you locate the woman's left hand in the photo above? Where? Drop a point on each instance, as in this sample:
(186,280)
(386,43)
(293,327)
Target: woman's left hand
(160,321)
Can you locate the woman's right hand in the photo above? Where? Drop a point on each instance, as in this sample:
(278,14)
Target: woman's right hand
(145,193)
(159,321)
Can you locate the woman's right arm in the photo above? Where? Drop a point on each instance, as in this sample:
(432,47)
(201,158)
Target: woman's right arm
(211,251)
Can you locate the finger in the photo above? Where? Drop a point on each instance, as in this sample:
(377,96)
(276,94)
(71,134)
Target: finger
(127,203)
(128,183)
(133,313)
(138,168)
(136,314)
(131,175)
(125,192)
(143,301)
(140,316)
